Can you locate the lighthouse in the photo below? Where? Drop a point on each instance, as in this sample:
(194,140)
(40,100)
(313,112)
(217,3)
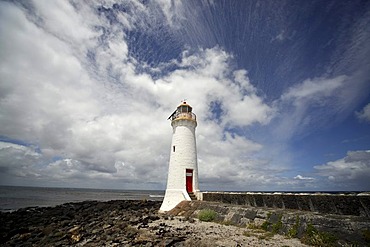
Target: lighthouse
(182,181)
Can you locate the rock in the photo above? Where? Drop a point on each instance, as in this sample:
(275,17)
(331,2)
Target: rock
(74,234)
(77,223)
(191,220)
(74,230)
(48,230)
(106,226)
(173,241)
(76,238)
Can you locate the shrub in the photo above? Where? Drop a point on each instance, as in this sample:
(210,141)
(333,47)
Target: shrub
(265,225)
(366,235)
(207,215)
(316,238)
(293,232)
(277,226)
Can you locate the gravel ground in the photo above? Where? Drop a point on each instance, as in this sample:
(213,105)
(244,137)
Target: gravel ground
(199,233)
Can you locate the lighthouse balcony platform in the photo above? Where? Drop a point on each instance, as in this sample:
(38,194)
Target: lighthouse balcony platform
(184,115)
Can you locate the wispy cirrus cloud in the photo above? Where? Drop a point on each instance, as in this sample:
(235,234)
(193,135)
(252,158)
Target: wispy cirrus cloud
(364,114)
(305,106)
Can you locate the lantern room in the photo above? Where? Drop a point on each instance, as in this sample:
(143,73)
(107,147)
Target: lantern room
(184,107)
(183,111)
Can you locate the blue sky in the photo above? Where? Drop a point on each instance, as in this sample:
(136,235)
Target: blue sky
(281,90)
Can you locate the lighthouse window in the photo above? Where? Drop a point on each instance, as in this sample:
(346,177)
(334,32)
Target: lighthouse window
(184,108)
(173,148)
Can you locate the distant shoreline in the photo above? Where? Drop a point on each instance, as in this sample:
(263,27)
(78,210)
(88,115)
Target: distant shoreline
(254,191)
(14,197)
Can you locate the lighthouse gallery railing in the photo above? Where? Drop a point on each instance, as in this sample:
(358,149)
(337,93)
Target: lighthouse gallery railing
(183,115)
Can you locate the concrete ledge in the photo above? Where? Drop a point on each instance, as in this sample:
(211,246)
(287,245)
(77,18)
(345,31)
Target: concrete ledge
(339,204)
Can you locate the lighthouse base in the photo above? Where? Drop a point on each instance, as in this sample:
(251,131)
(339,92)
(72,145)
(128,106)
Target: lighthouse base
(173,197)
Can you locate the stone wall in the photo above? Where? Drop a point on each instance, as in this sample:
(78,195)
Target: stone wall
(342,230)
(339,204)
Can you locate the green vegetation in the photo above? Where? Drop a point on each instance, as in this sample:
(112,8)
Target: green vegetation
(265,225)
(274,228)
(366,235)
(316,238)
(253,226)
(228,223)
(311,235)
(207,215)
(267,230)
(277,226)
(266,235)
(258,233)
(293,232)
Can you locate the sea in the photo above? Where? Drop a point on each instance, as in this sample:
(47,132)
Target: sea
(15,197)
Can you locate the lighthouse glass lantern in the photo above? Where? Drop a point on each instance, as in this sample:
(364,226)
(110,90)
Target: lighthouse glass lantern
(182,181)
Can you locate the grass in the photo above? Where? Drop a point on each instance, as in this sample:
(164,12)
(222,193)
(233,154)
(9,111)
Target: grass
(366,235)
(293,232)
(207,215)
(253,226)
(276,228)
(228,223)
(311,235)
(265,225)
(265,231)
(266,235)
(314,237)
(258,233)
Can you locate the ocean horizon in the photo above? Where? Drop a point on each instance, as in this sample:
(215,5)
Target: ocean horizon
(17,197)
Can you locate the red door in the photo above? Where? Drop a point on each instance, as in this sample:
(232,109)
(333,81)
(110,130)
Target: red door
(189,180)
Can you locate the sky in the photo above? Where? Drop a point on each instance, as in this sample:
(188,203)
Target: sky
(281,90)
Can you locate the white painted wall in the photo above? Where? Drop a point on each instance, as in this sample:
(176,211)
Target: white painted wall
(183,157)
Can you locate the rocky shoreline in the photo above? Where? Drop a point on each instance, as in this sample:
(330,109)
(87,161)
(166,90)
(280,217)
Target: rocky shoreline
(122,223)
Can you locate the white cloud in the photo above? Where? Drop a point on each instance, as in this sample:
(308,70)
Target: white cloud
(313,89)
(364,114)
(354,170)
(280,37)
(307,105)
(60,19)
(88,116)
(18,161)
(172,10)
(300,177)
(71,86)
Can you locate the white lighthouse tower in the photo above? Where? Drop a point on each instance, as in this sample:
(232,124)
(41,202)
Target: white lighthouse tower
(182,182)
